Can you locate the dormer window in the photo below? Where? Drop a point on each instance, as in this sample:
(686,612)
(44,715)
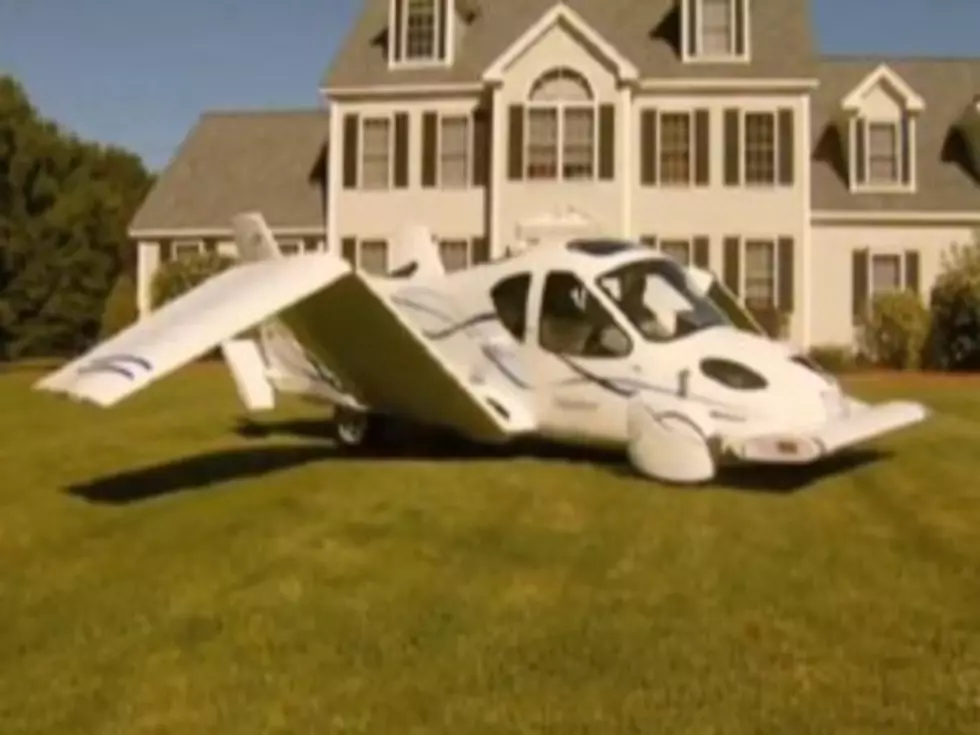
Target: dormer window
(715,30)
(880,132)
(419,32)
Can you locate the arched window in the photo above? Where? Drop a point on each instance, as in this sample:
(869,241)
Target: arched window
(561,127)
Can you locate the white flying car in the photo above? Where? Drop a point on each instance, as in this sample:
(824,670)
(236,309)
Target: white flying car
(591,341)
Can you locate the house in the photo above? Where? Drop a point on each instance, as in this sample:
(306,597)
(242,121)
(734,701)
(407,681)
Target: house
(711,129)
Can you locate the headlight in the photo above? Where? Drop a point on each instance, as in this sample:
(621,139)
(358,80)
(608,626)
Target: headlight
(732,374)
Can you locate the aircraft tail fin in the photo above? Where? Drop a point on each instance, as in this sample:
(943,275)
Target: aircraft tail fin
(253,238)
(416,253)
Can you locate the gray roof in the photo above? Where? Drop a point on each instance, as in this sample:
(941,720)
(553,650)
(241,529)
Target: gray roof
(945,183)
(646,32)
(272,160)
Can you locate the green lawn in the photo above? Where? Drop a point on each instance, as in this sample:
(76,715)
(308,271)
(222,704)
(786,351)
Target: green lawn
(230,583)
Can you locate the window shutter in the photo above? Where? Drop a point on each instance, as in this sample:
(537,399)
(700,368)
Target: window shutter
(691,21)
(166,251)
(515,158)
(787,147)
(701,244)
(741,19)
(607,142)
(349,250)
(443,40)
(481,146)
(351,122)
(395,43)
(785,254)
(430,134)
(702,152)
(732,147)
(401,150)
(649,240)
(648,147)
(859,283)
(860,164)
(906,149)
(912,271)
(481,250)
(210,246)
(731,266)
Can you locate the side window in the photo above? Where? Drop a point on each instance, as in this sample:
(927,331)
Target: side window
(574,323)
(510,300)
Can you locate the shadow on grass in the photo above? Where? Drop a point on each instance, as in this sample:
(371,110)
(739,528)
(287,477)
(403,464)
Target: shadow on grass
(196,472)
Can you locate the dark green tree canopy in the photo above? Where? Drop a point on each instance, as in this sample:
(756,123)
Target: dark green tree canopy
(65,204)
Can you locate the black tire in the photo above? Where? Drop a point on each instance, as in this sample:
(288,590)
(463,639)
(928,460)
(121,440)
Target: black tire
(354,429)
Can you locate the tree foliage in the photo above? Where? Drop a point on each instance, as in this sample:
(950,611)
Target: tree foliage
(120,307)
(179,276)
(954,340)
(65,204)
(895,330)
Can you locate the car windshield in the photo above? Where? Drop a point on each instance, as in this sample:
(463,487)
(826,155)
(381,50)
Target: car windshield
(658,299)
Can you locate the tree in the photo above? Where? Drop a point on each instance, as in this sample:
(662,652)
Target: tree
(954,339)
(64,208)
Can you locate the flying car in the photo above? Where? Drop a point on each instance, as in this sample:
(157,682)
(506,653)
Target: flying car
(590,341)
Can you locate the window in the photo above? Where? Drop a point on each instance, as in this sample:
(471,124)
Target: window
(373,257)
(573,322)
(675,148)
(883,152)
(760,148)
(376,163)
(183,249)
(886,273)
(679,250)
(290,247)
(421,27)
(561,128)
(760,274)
(455,254)
(454,163)
(717,26)
(510,300)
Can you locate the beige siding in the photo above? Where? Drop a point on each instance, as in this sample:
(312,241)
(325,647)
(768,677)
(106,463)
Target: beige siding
(831,275)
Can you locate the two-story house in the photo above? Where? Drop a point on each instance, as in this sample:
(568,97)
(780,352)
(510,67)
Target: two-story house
(711,129)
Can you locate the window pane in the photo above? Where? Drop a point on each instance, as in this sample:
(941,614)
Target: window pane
(542,143)
(760,148)
(573,322)
(375,159)
(561,85)
(679,250)
(886,273)
(374,257)
(675,148)
(454,254)
(579,143)
(882,153)
(454,149)
(510,301)
(420,29)
(760,273)
(716,27)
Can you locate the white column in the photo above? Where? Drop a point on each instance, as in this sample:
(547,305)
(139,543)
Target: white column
(497,178)
(335,164)
(801,150)
(624,171)
(147,264)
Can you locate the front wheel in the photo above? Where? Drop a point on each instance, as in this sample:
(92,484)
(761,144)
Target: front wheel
(353,429)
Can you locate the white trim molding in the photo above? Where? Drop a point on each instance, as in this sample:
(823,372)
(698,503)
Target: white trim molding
(898,217)
(404,90)
(198,233)
(775,86)
(560,13)
(886,76)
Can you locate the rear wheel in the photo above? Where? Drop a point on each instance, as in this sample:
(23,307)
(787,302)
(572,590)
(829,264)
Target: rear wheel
(353,429)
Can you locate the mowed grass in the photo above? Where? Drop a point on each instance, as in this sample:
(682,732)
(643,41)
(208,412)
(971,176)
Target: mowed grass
(161,572)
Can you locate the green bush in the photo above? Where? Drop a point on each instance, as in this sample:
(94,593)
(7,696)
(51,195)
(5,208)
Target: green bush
(895,330)
(120,307)
(954,337)
(177,277)
(837,359)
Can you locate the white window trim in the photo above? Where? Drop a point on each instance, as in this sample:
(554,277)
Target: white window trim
(695,56)
(177,245)
(743,135)
(691,139)
(898,187)
(468,119)
(560,107)
(743,270)
(362,123)
(884,253)
(403,62)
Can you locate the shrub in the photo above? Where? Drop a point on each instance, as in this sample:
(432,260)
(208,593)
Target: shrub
(895,330)
(179,276)
(835,359)
(120,307)
(954,337)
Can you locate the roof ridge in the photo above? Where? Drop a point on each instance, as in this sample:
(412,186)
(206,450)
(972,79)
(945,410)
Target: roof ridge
(886,58)
(257,111)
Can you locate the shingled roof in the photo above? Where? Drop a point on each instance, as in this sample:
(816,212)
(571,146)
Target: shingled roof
(945,183)
(646,32)
(272,160)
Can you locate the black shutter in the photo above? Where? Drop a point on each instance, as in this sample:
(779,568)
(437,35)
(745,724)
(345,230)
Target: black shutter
(430,135)
(733,148)
(481,146)
(785,255)
(515,158)
(607,142)
(860,164)
(906,160)
(701,251)
(481,250)
(348,247)
(912,271)
(443,30)
(351,146)
(859,283)
(702,149)
(648,147)
(731,266)
(787,147)
(395,43)
(401,150)
(741,19)
(691,21)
